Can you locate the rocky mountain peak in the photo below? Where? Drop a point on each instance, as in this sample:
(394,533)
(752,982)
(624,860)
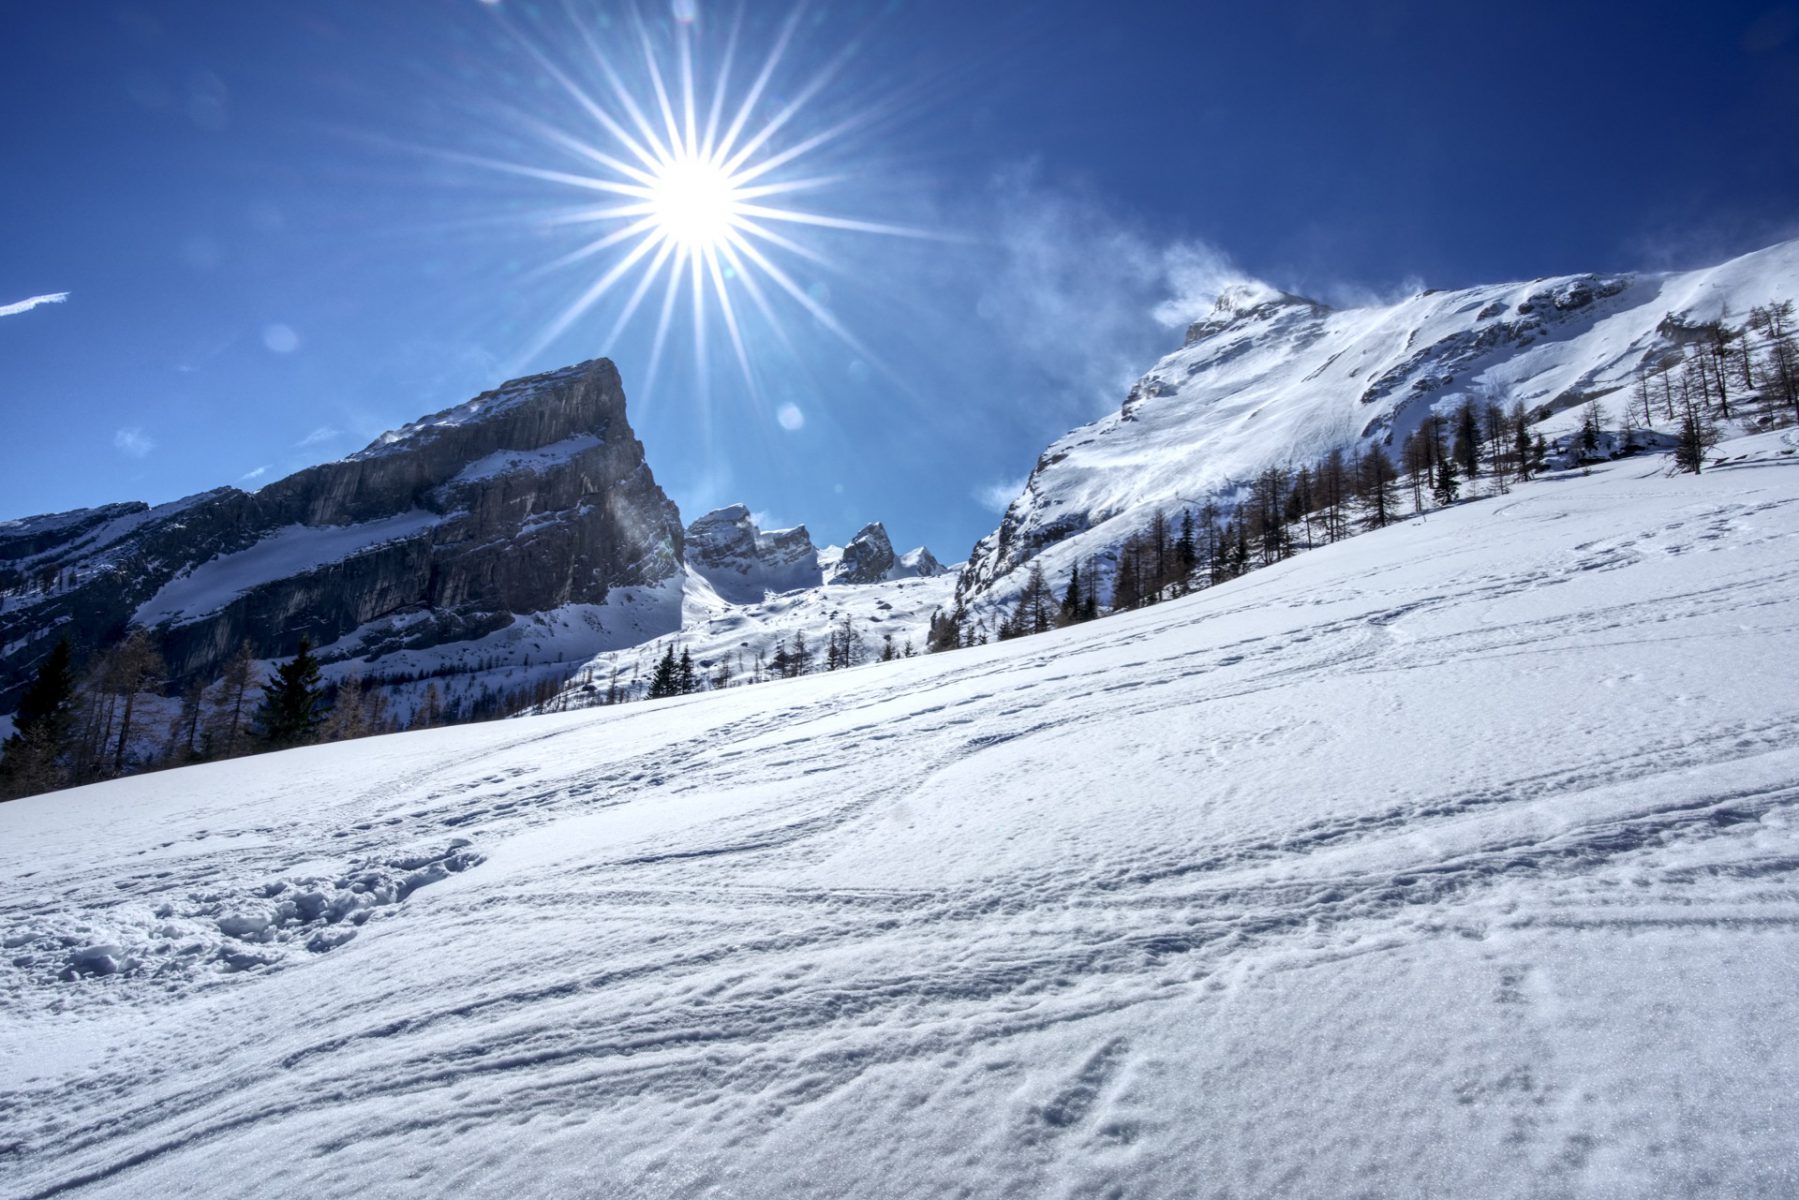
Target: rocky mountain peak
(743,562)
(529,497)
(867,558)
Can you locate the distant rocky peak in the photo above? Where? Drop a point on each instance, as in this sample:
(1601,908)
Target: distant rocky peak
(743,562)
(920,562)
(867,558)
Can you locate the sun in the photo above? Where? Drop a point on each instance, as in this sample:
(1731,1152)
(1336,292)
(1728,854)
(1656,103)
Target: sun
(695,203)
(700,167)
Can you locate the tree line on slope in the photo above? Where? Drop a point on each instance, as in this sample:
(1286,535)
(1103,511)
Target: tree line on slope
(75,727)
(1753,367)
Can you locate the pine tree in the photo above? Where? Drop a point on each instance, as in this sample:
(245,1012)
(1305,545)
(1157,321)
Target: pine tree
(30,757)
(184,733)
(667,680)
(1466,448)
(1447,486)
(293,702)
(1186,553)
(1069,612)
(799,656)
(1697,435)
(686,681)
(946,630)
(1592,424)
(1521,447)
(1126,592)
(1035,609)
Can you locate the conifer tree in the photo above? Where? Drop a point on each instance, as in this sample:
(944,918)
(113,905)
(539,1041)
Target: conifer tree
(685,680)
(131,667)
(1186,553)
(1466,448)
(1126,593)
(1521,448)
(1035,609)
(666,681)
(293,701)
(30,757)
(1070,611)
(1447,486)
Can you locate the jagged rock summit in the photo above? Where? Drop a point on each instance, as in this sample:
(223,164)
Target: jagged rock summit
(530,497)
(869,558)
(743,563)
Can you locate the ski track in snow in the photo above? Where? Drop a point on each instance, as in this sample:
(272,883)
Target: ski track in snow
(1458,859)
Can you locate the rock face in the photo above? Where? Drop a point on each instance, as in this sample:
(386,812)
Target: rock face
(529,497)
(743,563)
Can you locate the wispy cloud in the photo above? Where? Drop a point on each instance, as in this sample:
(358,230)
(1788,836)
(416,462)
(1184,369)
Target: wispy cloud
(1084,298)
(9,310)
(133,441)
(998,495)
(258,473)
(323,433)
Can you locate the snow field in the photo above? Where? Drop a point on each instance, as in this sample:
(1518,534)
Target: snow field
(1454,859)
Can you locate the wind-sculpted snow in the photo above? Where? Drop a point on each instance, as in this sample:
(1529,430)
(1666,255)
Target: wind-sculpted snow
(1454,860)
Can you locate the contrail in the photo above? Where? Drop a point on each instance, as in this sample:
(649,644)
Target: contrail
(7,310)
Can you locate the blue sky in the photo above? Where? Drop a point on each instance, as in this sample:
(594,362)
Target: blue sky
(280,229)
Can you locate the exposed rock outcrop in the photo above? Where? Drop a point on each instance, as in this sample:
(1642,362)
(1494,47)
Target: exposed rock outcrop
(867,558)
(528,497)
(743,563)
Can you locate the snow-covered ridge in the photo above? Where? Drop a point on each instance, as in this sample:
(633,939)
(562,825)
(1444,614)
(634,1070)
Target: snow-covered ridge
(1272,379)
(486,406)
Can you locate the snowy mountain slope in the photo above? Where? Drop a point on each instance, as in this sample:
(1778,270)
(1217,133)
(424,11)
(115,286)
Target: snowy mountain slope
(1454,859)
(1273,379)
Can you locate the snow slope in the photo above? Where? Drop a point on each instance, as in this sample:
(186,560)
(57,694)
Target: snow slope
(1272,379)
(1458,859)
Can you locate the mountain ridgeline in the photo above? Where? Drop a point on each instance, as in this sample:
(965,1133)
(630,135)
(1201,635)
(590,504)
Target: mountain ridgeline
(1269,380)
